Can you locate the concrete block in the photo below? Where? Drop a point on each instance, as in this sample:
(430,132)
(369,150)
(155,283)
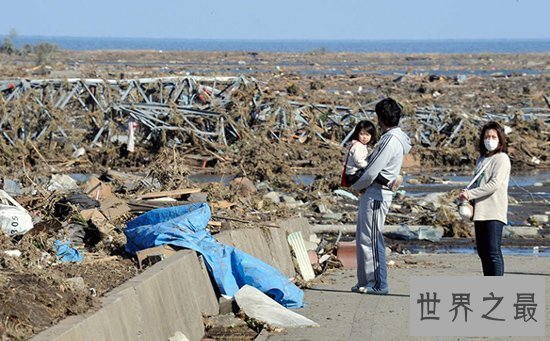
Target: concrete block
(168,297)
(297,224)
(280,251)
(520,231)
(261,307)
(267,244)
(204,290)
(253,242)
(118,320)
(256,242)
(224,237)
(154,254)
(65,330)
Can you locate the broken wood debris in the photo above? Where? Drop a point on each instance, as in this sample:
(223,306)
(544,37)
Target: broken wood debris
(173,194)
(212,113)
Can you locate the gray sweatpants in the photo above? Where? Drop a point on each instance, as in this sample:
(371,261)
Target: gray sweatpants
(371,253)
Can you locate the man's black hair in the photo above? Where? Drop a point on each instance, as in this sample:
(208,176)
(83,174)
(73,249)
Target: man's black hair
(388,112)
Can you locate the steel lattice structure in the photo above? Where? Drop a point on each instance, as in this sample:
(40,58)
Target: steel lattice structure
(213,109)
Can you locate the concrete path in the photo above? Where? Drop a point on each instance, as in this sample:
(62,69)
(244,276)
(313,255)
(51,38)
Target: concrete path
(344,315)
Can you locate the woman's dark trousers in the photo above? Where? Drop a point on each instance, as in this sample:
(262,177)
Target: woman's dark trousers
(488,241)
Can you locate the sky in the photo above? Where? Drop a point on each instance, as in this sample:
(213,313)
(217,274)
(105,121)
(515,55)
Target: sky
(280,19)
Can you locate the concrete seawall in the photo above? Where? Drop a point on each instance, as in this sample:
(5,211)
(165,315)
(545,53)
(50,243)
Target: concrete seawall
(173,295)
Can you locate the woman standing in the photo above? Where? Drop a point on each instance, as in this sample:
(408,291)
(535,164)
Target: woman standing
(490,197)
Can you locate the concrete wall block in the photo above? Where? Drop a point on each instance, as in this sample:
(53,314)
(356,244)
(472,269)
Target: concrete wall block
(253,242)
(280,251)
(168,299)
(120,319)
(269,245)
(297,224)
(224,237)
(205,294)
(66,330)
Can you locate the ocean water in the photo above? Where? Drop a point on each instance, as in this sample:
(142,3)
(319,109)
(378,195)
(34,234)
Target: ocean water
(391,46)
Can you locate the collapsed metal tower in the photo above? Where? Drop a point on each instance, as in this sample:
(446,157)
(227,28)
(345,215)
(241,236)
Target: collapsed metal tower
(212,109)
(91,113)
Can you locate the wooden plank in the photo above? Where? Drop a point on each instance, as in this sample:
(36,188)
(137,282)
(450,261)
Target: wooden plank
(174,193)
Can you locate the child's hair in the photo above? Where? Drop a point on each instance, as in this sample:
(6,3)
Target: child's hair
(369,127)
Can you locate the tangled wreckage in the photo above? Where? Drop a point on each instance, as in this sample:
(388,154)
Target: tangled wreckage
(70,117)
(169,128)
(144,138)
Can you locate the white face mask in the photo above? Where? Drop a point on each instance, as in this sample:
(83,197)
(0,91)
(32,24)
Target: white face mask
(490,144)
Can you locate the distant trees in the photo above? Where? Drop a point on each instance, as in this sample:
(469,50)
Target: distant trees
(42,51)
(8,47)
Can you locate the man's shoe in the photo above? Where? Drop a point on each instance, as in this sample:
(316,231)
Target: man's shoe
(358,289)
(373,291)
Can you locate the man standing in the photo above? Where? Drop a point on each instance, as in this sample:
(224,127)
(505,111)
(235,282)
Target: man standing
(386,159)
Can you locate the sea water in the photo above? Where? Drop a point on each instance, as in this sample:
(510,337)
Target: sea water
(391,46)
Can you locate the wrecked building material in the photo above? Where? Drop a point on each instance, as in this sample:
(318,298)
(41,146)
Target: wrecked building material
(146,134)
(215,113)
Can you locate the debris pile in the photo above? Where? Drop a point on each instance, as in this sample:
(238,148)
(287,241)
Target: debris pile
(83,155)
(215,120)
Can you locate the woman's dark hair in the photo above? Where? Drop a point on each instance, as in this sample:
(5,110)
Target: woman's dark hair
(502,146)
(369,127)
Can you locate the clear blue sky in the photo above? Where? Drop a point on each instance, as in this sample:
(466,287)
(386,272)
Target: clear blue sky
(280,19)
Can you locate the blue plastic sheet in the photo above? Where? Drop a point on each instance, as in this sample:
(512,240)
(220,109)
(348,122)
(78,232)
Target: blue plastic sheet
(66,253)
(231,268)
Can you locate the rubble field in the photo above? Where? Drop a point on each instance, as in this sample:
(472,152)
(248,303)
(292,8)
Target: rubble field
(91,139)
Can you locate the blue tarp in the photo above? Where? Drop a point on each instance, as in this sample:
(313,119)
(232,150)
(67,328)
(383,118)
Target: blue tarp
(185,226)
(66,253)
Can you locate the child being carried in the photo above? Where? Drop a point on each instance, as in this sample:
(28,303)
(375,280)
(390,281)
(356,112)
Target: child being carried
(364,135)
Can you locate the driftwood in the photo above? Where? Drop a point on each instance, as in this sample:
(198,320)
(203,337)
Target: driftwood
(172,194)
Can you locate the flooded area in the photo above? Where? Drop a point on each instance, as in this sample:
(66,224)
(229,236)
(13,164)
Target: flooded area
(530,193)
(535,251)
(467,246)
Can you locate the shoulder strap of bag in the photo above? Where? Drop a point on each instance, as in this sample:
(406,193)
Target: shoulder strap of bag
(477,175)
(343,180)
(347,156)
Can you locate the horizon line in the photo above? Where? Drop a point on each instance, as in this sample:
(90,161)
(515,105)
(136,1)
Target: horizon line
(284,39)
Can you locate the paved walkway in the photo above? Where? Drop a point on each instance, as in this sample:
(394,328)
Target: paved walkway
(344,315)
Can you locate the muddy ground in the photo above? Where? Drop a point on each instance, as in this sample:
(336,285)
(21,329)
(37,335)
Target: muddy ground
(37,291)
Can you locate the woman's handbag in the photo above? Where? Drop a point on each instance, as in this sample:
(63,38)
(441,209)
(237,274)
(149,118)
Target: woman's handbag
(465,208)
